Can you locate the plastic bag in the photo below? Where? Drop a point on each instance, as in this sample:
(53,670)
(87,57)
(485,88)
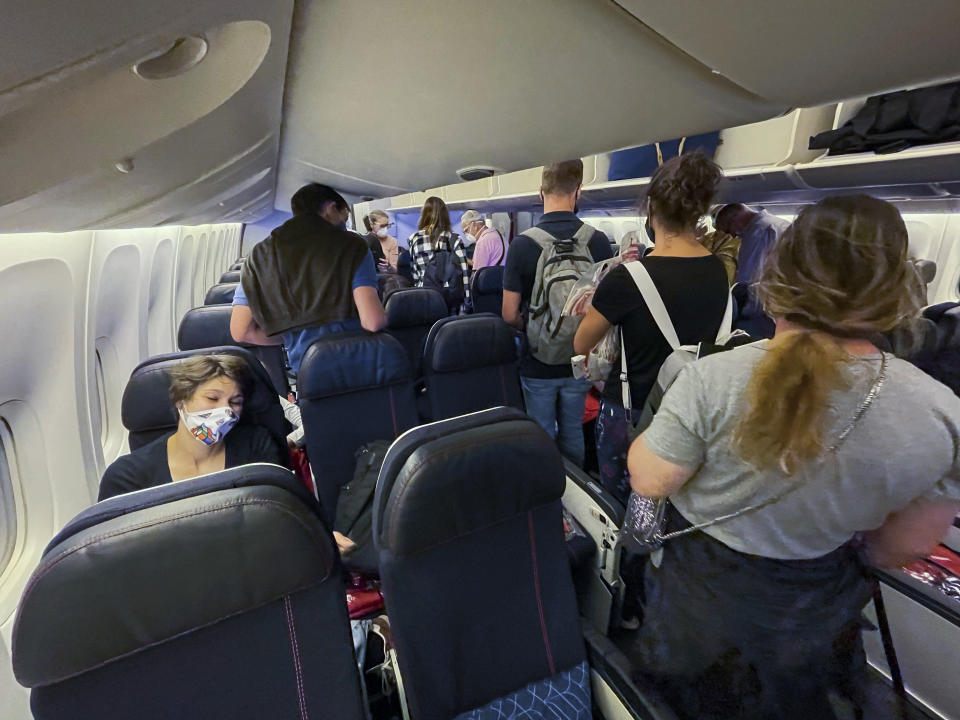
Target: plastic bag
(642,524)
(598,363)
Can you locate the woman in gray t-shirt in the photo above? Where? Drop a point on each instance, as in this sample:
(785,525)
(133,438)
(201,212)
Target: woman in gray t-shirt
(758,616)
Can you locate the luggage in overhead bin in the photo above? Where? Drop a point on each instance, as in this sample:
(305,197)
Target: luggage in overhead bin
(641,161)
(896,121)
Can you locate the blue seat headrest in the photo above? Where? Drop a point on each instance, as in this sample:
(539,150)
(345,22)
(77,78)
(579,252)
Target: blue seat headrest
(488,280)
(450,478)
(349,362)
(220,294)
(414,307)
(127,575)
(205,326)
(147,412)
(230,276)
(469,341)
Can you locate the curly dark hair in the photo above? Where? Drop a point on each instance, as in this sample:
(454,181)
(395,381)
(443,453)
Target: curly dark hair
(682,189)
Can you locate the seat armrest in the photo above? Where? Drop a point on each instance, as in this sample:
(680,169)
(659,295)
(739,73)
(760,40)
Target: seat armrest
(613,670)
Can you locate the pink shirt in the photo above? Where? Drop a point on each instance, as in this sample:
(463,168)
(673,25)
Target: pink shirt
(490,249)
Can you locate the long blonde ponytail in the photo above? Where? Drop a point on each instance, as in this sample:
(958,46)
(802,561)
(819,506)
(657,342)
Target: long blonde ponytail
(839,271)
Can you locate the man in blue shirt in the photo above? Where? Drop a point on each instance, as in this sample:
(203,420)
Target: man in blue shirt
(312,246)
(758,232)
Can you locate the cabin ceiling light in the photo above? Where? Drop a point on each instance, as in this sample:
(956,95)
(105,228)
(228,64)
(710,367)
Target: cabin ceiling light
(184,54)
(125,165)
(477,172)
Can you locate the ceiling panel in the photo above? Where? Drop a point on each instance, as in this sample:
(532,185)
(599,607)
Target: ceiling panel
(814,51)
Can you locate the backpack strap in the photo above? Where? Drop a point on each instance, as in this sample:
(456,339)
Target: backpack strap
(585,234)
(540,236)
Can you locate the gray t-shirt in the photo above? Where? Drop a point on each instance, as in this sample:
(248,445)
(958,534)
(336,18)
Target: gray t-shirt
(905,446)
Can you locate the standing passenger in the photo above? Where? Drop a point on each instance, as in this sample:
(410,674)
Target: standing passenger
(554,398)
(439,260)
(490,249)
(818,436)
(310,278)
(758,232)
(693,284)
(385,248)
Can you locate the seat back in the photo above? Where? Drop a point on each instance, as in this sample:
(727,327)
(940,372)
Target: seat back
(230,276)
(219,596)
(238,264)
(470,364)
(748,313)
(220,294)
(469,532)
(147,412)
(486,290)
(353,388)
(939,355)
(209,326)
(410,315)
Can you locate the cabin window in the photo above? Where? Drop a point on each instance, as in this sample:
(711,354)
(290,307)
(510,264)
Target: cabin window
(8,509)
(100,398)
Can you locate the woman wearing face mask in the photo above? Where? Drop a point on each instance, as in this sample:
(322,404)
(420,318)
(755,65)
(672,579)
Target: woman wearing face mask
(208,393)
(385,248)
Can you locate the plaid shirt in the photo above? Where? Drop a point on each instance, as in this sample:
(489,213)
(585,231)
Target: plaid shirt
(421,250)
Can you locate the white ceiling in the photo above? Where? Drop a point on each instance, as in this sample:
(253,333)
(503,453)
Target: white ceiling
(379,97)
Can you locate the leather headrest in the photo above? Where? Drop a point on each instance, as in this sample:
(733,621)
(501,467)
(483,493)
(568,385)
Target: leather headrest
(470,341)
(450,478)
(166,561)
(230,276)
(927,270)
(414,307)
(205,326)
(349,362)
(146,405)
(488,280)
(220,294)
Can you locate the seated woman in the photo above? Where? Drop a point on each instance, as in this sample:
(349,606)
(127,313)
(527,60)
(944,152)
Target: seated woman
(208,393)
(813,440)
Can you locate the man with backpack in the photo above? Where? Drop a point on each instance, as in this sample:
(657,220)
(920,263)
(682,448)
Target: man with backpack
(543,264)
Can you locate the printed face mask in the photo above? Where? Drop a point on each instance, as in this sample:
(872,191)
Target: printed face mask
(209,426)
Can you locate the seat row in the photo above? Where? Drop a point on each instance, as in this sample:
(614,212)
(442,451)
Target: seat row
(222,596)
(353,388)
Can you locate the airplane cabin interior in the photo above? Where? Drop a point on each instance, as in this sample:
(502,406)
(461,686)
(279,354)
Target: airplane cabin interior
(147,148)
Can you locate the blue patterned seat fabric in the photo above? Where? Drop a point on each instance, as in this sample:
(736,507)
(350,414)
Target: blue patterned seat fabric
(564,696)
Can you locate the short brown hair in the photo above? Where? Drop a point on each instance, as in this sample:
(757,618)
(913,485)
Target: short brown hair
(188,375)
(562,178)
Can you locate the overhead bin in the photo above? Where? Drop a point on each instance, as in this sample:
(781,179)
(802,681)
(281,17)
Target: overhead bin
(780,141)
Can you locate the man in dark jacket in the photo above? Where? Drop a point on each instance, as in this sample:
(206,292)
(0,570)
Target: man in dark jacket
(310,278)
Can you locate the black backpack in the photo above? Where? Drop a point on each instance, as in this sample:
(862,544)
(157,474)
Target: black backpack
(443,273)
(355,504)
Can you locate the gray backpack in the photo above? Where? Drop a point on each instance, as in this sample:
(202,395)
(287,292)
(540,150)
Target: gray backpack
(562,262)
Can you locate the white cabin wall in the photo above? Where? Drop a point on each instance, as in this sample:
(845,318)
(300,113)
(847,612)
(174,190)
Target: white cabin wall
(68,298)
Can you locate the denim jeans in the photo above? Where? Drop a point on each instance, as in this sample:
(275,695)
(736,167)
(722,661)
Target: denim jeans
(557,406)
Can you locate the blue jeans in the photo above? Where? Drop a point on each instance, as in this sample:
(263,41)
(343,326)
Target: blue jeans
(557,406)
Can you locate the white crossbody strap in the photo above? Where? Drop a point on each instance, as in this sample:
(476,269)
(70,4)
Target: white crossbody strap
(651,296)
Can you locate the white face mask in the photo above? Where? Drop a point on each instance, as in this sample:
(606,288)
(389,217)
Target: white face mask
(469,238)
(209,426)
(382,232)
